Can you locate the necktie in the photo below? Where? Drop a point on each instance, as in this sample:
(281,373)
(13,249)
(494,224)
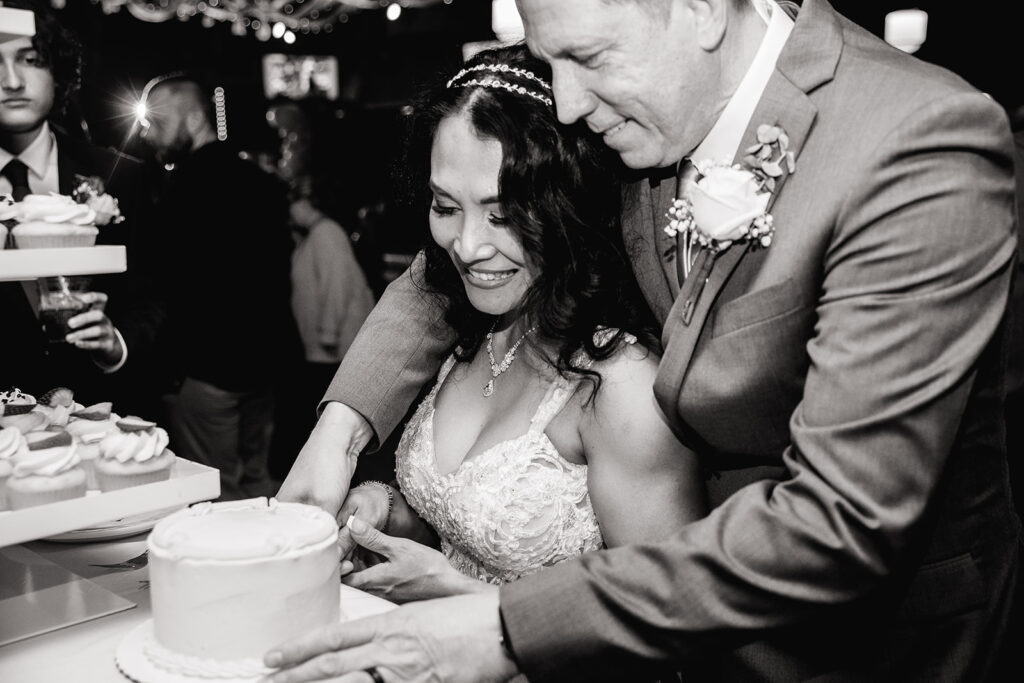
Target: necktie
(17,173)
(687,176)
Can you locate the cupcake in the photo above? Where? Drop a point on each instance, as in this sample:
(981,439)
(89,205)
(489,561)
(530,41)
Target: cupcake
(88,427)
(57,405)
(25,423)
(12,447)
(134,454)
(14,402)
(53,220)
(50,472)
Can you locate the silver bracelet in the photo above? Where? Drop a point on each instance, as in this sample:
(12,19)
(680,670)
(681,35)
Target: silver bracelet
(391,498)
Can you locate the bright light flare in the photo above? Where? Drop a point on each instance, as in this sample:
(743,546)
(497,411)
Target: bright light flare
(140,113)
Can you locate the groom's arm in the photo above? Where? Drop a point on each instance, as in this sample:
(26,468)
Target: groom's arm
(914,286)
(397,351)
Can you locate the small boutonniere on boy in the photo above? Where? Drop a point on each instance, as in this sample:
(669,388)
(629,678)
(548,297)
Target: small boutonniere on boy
(89,190)
(728,203)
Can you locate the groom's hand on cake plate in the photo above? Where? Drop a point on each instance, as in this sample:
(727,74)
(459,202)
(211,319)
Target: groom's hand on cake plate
(324,467)
(410,570)
(416,642)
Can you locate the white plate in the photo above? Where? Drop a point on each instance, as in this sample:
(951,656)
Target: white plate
(135,664)
(119,528)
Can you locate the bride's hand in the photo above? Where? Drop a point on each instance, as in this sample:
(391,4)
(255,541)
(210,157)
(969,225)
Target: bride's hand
(412,571)
(368,503)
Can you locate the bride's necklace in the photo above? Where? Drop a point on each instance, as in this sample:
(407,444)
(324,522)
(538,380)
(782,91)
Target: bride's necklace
(506,362)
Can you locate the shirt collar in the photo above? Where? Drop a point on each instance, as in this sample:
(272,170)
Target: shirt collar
(37,155)
(725,136)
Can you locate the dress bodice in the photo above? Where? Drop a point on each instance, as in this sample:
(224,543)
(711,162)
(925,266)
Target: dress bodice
(513,509)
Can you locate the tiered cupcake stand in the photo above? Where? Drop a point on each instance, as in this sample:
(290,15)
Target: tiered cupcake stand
(36,595)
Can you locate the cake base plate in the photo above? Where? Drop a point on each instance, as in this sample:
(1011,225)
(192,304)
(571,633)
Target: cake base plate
(132,660)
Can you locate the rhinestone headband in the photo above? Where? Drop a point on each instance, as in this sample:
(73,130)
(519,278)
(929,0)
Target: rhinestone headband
(489,81)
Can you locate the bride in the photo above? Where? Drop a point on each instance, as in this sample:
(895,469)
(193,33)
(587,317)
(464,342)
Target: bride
(540,439)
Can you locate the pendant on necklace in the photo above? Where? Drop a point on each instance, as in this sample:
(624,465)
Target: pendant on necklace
(489,388)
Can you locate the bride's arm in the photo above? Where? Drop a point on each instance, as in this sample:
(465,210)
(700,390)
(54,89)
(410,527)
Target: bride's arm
(644,484)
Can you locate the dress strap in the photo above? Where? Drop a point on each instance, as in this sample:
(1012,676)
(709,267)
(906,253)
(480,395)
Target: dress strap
(562,389)
(557,395)
(446,367)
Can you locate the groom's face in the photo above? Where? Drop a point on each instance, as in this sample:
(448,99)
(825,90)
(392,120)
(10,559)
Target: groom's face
(634,72)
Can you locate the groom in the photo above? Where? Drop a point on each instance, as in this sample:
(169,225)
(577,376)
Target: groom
(842,380)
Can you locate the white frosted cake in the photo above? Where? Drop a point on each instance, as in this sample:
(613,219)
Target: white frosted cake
(229,581)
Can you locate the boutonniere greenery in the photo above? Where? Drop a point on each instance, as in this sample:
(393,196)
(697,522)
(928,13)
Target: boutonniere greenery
(89,190)
(728,202)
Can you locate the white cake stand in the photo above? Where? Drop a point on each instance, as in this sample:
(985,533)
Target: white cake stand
(133,662)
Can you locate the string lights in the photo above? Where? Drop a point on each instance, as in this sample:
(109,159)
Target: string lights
(261,17)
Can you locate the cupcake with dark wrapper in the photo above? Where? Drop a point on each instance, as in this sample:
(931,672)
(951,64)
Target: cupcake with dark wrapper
(14,401)
(134,454)
(50,472)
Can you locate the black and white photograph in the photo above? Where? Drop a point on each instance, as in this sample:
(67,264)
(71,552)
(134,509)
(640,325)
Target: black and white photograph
(472,341)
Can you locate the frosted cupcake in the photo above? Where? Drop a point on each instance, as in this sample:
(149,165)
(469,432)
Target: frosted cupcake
(53,220)
(57,405)
(12,447)
(88,427)
(25,422)
(50,472)
(135,454)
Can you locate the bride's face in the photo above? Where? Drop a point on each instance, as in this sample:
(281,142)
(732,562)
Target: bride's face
(466,219)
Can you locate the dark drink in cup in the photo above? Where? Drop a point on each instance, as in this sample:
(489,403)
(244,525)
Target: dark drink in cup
(60,299)
(55,321)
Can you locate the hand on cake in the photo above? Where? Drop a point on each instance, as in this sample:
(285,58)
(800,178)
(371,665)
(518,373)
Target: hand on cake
(418,642)
(411,571)
(94,332)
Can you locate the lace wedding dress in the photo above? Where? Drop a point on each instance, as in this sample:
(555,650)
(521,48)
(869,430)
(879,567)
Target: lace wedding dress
(511,510)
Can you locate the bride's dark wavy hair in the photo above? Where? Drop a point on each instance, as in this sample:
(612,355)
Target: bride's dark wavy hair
(559,189)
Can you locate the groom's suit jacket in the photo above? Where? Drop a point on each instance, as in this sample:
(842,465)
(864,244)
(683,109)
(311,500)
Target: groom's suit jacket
(843,388)
(26,361)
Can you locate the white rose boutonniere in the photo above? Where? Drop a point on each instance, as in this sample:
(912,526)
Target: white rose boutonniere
(728,202)
(725,203)
(89,190)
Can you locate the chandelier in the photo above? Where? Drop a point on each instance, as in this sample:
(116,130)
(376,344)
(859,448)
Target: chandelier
(265,18)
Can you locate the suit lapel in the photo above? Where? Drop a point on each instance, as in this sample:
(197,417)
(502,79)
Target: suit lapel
(641,235)
(807,61)
(663,191)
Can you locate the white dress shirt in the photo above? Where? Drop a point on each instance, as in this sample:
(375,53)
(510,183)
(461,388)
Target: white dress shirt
(723,141)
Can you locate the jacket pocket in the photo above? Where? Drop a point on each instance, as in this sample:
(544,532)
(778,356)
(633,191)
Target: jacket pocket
(947,587)
(758,306)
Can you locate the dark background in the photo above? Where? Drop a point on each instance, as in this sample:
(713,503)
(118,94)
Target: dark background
(382,63)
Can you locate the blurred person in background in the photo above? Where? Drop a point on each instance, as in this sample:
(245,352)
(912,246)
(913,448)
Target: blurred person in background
(330,297)
(107,356)
(227,283)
